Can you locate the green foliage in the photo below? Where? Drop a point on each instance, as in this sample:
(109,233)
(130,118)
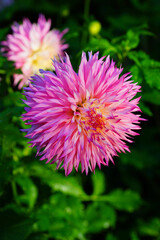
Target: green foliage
(57,182)
(151,228)
(100,217)
(61,218)
(99,183)
(124,200)
(29,195)
(37,202)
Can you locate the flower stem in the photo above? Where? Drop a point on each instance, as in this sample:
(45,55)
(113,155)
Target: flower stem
(14,189)
(86,9)
(85,16)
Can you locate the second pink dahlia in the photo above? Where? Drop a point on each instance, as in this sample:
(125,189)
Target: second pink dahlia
(81,118)
(31,47)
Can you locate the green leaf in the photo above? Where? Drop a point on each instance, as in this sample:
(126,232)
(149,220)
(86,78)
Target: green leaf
(68,186)
(132,40)
(58,182)
(142,55)
(133,37)
(150,63)
(124,200)
(30,192)
(10,131)
(98,180)
(150,68)
(150,228)
(100,217)
(133,56)
(152,77)
(62,217)
(14,99)
(96,44)
(138,57)
(135,71)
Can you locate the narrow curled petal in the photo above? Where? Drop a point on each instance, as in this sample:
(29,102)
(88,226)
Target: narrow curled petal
(32,46)
(81,119)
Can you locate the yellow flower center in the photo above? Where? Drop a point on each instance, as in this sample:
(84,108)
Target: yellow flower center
(42,59)
(91,116)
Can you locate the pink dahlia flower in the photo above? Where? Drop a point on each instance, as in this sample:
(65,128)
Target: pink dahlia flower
(83,118)
(31,47)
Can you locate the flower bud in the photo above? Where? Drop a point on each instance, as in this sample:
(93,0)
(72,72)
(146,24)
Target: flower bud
(94,27)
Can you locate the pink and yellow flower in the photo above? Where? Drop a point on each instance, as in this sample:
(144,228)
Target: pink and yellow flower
(31,47)
(81,118)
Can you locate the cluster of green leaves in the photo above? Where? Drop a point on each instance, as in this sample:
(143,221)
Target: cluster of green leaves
(145,70)
(37,202)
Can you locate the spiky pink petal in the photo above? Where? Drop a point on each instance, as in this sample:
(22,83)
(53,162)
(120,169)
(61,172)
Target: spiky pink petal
(83,118)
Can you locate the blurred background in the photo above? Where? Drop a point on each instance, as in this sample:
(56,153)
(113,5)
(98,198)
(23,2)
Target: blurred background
(121,202)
